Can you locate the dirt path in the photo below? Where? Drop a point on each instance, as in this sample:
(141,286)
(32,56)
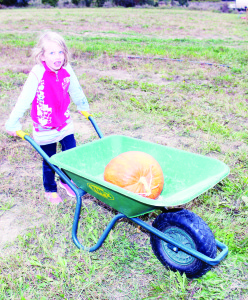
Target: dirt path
(14,222)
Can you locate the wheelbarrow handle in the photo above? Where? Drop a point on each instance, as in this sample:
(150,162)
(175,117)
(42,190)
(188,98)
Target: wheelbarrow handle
(21,134)
(88,116)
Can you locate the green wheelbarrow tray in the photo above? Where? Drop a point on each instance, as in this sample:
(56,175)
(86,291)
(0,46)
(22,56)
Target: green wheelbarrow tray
(186,175)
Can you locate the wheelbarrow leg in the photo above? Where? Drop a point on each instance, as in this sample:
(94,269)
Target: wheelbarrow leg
(79,193)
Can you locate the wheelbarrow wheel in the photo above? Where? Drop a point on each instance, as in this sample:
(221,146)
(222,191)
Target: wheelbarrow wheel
(190,230)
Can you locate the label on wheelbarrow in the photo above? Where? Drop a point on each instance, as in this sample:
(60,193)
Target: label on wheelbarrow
(100,191)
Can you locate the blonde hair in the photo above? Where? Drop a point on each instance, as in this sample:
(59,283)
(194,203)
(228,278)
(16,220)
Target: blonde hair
(50,36)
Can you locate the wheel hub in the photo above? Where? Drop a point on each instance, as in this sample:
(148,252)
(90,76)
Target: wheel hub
(175,254)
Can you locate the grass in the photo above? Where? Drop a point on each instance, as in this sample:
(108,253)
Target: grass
(186,88)
(185,48)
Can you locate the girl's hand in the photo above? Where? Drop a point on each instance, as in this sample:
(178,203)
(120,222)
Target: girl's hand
(12,133)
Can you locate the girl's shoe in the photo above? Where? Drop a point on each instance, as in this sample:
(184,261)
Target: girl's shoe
(53,197)
(69,191)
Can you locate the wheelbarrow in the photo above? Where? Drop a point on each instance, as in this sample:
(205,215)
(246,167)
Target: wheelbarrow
(180,239)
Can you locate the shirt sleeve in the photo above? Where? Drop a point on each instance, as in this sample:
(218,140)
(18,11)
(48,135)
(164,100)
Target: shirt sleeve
(76,91)
(23,103)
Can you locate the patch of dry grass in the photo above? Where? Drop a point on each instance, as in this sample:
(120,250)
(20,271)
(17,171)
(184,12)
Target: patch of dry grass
(168,23)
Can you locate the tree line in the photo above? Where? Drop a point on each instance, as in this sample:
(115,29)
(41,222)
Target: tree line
(96,3)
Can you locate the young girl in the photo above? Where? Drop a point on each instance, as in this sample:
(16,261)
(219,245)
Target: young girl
(49,87)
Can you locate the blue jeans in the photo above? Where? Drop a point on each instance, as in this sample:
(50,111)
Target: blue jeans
(67,143)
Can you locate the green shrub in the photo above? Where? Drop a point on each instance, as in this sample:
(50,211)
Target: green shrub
(204,1)
(149,2)
(132,3)
(99,3)
(50,2)
(76,2)
(88,3)
(183,2)
(14,2)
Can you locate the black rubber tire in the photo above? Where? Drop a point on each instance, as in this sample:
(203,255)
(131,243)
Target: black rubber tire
(187,228)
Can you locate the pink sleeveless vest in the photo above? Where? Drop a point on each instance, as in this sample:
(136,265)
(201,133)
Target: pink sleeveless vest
(51,102)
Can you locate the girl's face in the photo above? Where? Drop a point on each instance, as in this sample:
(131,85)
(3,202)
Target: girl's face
(53,56)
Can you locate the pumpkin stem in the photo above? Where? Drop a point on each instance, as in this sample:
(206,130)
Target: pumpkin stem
(146,186)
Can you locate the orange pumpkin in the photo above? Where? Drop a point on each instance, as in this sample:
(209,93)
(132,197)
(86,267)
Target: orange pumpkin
(137,172)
